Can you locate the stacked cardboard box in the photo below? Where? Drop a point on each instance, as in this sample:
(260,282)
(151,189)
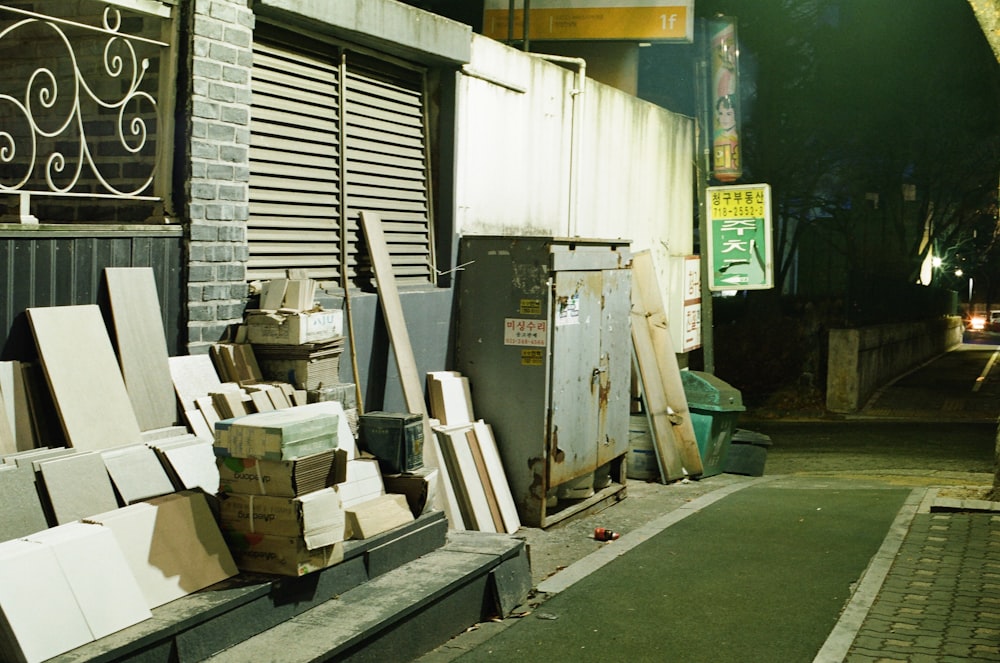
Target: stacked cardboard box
(278,509)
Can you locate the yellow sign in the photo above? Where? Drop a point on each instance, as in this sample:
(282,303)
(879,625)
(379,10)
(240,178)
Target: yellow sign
(624,20)
(738,202)
(530,307)
(530,357)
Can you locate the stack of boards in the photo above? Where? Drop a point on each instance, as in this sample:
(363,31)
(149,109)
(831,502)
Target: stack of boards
(477,486)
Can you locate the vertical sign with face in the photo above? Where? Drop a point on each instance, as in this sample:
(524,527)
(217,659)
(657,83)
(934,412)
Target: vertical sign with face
(727,165)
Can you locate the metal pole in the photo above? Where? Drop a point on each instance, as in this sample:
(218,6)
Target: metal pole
(702,168)
(527,23)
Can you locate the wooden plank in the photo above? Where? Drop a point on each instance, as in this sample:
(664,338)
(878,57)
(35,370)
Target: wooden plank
(450,398)
(465,517)
(485,479)
(392,309)
(655,400)
(413,393)
(646,295)
(142,345)
(199,424)
(76,355)
(450,498)
(498,476)
(465,477)
(206,405)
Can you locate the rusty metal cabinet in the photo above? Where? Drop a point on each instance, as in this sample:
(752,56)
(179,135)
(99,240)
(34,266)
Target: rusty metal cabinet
(543,336)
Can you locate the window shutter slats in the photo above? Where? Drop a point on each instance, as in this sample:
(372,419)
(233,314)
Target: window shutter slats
(299,151)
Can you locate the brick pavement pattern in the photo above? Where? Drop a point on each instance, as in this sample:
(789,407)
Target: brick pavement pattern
(940,602)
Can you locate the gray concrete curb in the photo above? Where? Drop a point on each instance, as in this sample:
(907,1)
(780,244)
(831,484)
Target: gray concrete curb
(837,644)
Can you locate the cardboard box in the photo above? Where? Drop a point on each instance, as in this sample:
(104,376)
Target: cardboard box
(281,555)
(282,478)
(378,515)
(316,517)
(294,328)
(305,373)
(278,435)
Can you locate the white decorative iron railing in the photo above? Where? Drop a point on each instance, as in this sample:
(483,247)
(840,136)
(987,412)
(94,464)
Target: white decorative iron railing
(79,110)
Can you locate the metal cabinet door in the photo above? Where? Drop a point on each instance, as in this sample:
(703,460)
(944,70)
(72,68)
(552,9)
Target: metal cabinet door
(616,370)
(576,371)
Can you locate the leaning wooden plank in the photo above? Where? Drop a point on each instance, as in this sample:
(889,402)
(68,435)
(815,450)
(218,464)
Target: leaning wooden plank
(465,517)
(142,345)
(77,356)
(465,476)
(498,476)
(646,295)
(485,479)
(670,373)
(199,424)
(392,310)
(434,458)
(8,429)
(667,455)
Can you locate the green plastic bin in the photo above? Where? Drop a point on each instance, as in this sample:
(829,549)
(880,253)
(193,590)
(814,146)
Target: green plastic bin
(715,407)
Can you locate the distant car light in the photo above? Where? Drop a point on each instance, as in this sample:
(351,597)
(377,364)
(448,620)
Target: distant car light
(978,323)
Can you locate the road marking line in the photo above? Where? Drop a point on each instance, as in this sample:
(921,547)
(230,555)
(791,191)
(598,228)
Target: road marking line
(986,371)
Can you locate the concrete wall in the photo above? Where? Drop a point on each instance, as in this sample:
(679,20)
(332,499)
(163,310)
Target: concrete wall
(862,360)
(543,149)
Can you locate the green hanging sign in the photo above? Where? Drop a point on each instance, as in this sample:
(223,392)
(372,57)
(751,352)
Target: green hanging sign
(739,237)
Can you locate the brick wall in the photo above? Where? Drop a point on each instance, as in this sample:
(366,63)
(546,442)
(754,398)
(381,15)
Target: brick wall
(220,37)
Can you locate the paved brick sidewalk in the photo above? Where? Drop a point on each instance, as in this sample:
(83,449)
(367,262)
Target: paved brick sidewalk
(940,601)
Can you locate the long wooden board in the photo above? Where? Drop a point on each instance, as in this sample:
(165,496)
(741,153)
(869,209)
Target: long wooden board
(142,345)
(647,297)
(655,399)
(465,478)
(498,476)
(399,336)
(83,376)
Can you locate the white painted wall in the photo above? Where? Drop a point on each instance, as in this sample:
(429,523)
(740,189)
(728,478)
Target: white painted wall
(624,170)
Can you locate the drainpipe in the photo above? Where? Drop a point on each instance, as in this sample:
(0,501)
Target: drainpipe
(576,132)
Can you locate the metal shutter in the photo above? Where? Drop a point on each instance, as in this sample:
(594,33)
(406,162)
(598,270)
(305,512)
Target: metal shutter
(294,165)
(386,162)
(297,164)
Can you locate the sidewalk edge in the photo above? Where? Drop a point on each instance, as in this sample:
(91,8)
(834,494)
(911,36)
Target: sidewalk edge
(839,642)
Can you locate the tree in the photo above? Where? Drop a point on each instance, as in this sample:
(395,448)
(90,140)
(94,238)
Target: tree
(873,125)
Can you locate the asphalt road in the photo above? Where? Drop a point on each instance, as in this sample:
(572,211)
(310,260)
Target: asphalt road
(935,426)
